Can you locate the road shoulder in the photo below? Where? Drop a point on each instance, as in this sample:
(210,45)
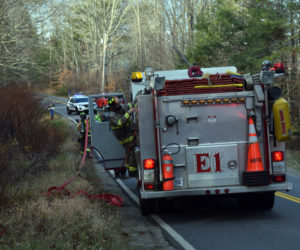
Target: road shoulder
(293,171)
(141,232)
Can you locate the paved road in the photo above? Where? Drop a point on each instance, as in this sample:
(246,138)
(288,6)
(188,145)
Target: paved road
(218,223)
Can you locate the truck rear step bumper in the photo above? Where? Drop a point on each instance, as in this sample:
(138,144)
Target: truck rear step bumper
(212,191)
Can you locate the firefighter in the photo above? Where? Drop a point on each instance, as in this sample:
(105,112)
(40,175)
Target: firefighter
(266,65)
(81,128)
(100,117)
(122,127)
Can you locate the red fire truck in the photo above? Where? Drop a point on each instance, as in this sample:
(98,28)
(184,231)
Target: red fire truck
(212,133)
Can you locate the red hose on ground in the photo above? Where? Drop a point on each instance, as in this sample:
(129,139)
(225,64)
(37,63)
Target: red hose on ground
(110,198)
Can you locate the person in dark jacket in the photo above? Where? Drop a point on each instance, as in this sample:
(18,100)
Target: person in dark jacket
(81,128)
(122,127)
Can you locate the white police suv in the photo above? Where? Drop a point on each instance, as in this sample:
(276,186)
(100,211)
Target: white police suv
(78,104)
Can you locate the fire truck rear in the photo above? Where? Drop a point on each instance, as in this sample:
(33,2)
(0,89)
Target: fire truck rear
(215,134)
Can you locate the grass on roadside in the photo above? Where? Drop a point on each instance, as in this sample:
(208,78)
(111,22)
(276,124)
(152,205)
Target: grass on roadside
(32,220)
(293,159)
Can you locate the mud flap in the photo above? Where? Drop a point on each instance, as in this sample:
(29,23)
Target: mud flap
(257,178)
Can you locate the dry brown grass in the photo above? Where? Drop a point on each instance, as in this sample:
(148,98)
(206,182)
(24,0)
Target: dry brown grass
(27,138)
(293,159)
(33,220)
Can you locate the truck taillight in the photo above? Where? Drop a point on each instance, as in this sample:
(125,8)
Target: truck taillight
(277,156)
(149,164)
(278,166)
(148,186)
(279,178)
(149,172)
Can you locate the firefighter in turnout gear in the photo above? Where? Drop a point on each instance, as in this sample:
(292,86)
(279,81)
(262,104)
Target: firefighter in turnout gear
(122,127)
(100,117)
(102,108)
(81,128)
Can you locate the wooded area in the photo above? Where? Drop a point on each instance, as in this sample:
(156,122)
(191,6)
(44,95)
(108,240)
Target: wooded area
(93,45)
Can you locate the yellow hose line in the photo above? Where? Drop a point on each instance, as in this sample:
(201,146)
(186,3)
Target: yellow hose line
(218,86)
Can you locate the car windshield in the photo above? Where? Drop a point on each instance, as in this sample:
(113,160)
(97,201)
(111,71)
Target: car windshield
(78,100)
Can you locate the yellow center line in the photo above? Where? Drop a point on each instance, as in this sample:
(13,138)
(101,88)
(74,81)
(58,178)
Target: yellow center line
(288,197)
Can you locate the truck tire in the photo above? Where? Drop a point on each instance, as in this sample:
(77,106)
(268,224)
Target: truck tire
(246,201)
(147,206)
(265,200)
(165,205)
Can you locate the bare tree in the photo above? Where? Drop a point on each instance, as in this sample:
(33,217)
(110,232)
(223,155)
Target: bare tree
(104,21)
(17,41)
(21,44)
(181,18)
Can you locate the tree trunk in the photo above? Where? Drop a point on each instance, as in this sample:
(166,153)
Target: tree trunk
(103,61)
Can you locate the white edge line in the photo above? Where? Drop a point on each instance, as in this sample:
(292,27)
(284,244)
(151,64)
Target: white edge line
(296,176)
(65,116)
(177,237)
(125,188)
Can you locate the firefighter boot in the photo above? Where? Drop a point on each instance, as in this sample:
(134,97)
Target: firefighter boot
(120,173)
(132,171)
(123,173)
(89,154)
(117,174)
(132,174)
(131,164)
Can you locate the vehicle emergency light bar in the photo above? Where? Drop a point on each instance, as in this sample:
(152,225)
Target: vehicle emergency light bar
(136,76)
(79,95)
(191,102)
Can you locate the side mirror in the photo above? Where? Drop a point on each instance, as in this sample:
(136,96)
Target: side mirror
(159,83)
(267,77)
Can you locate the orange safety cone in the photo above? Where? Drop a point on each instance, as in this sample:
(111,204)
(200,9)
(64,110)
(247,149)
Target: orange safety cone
(254,157)
(255,174)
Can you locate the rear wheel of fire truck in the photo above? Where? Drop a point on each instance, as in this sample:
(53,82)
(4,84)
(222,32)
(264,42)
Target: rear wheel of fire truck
(147,206)
(246,201)
(265,200)
(165,205)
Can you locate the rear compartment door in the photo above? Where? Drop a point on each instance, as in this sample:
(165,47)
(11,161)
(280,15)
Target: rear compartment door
(213,137)
(103,140)
(212,165)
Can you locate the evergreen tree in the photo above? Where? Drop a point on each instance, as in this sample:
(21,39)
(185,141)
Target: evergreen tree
(233,33)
